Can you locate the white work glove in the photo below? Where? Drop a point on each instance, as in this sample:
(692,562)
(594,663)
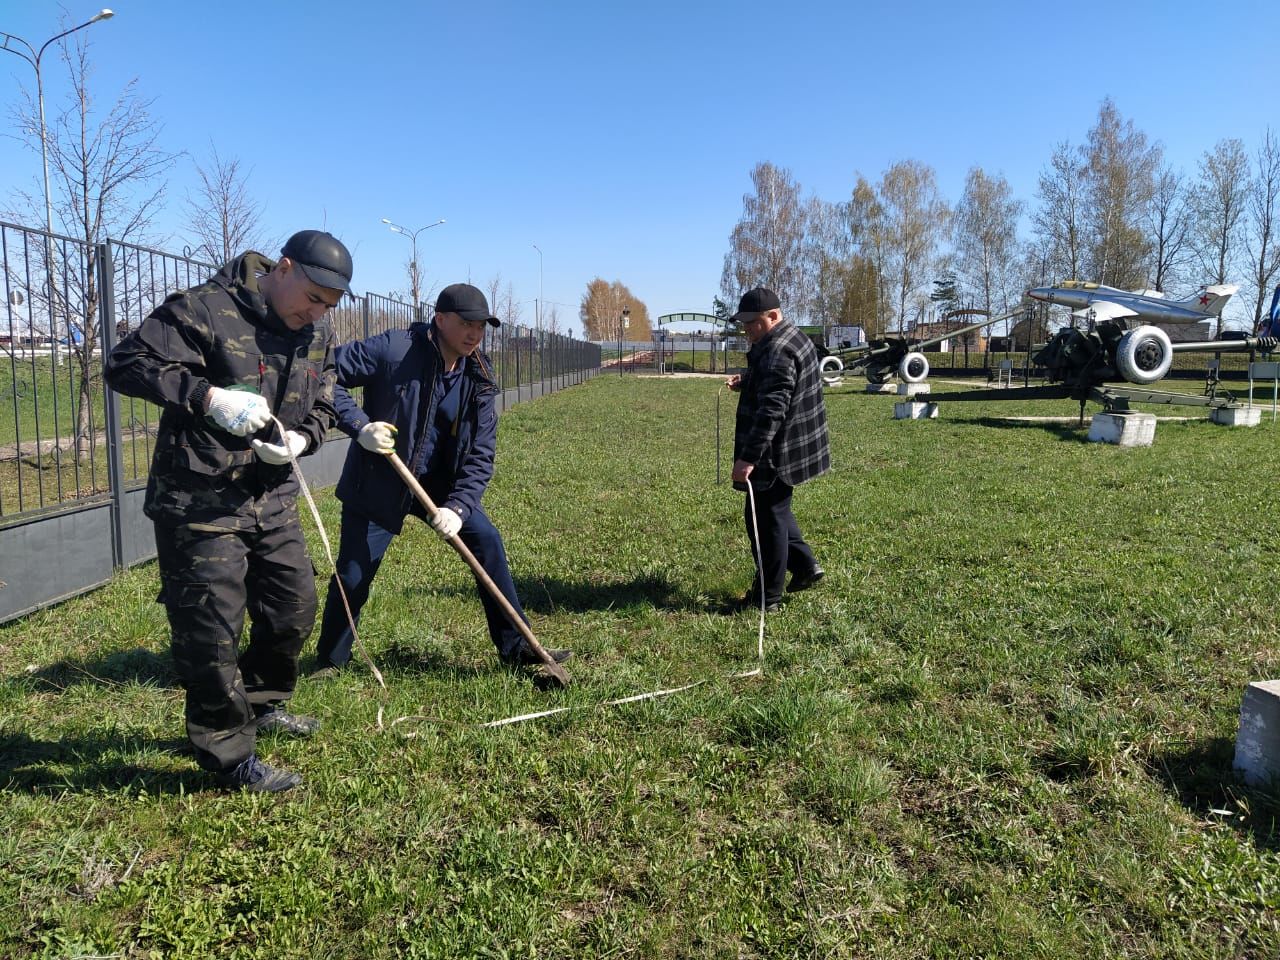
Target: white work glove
(277,453)
(238,412)
(378,436)
(446,523)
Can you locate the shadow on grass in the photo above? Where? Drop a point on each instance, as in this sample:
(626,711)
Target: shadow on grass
(1203,779)
(91,763)
(1072,431)
(548,595)
(139,665)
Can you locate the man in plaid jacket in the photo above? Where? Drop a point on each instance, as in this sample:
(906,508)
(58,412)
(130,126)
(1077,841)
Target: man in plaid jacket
(780,441)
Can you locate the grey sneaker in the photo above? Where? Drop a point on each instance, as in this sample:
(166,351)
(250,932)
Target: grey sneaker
(279,720)
(254,776)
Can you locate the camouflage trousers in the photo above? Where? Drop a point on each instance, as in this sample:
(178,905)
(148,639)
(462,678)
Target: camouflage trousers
(211,576)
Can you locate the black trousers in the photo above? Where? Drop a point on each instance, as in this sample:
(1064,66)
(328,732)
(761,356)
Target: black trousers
(211,577)
(782,546)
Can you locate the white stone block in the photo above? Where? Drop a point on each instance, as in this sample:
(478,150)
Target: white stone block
(1123,429)
(1258,739)
(915,410)
(1236,416)
(912,389)
(880,387)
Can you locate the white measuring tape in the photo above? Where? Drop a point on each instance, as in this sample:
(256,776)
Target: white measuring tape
(521,718)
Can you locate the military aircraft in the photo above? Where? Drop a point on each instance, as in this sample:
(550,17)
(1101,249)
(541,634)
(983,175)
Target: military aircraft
(880,359)
(1093,301)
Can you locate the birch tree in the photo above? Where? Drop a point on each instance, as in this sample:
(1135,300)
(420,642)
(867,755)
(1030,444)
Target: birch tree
(1262,245)
(915,219)
(985,233)
(766,246)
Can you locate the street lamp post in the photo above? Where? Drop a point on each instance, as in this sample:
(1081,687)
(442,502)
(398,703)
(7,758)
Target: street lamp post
(33,56)
(413,260)
(537,310)
(622,326)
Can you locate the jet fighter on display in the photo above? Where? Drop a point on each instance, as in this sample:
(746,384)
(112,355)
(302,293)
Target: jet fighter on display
(1093,301)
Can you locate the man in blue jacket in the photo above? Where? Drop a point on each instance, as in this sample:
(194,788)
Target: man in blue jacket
(429,397)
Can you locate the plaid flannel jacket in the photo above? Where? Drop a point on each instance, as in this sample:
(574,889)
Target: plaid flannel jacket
(781,425)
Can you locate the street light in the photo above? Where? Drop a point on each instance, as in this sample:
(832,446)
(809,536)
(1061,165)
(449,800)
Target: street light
(413,261)
(537,310)
(622,326)
(32,56)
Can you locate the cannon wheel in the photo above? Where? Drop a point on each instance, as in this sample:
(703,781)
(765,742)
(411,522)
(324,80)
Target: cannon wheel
(879,372)
(832,370)
(1144,355)
(914,367)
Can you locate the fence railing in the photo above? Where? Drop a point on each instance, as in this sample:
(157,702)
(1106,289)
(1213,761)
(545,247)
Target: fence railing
(66,303)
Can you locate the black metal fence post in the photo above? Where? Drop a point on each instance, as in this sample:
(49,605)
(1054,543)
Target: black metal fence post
(115,446)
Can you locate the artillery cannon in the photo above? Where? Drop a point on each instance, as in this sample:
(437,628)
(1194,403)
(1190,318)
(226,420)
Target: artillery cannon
(883,358)
(1082,363)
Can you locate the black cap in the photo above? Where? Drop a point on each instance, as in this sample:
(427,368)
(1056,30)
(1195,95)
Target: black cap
(322,258)
(466,301)
(754,302)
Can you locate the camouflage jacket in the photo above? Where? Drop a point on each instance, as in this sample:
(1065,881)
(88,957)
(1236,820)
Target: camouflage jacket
(223,333)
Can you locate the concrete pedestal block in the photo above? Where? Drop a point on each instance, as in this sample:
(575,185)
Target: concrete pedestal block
(915,410)
(912,389)
(1236,416)
(880,388)
(1123,429)
(1258,739)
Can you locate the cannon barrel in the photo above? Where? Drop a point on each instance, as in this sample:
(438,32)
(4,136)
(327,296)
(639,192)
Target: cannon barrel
(1261,344)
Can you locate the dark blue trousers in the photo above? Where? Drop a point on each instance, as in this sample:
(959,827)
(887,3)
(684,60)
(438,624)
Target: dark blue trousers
(364,543)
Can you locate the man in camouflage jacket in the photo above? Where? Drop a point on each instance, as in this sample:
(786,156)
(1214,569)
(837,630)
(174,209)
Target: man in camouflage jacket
(780,441)
(222,360)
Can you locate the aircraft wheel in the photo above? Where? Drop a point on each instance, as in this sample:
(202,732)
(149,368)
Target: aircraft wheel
(1144,355)
(914,367)
(832,370)
(879,372)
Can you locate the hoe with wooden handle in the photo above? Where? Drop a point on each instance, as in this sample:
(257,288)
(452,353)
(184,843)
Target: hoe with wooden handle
(552,668)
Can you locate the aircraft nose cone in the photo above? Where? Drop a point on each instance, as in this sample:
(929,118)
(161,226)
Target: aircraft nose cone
(1038,293)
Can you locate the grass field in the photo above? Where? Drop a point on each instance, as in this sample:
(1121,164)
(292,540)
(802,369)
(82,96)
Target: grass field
(1002,726)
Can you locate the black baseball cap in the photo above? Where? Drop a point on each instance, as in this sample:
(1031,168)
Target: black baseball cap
(322,257)
(755,302)
(467,302)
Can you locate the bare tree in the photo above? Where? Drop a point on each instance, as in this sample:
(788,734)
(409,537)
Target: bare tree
(1219,198)
(1119,166)
(766,247)
(106,179)
(915,219)
(223,217)
(1059,219)
(867,288)
(985,232)
(502,300)
(1262,244)
(1167,224)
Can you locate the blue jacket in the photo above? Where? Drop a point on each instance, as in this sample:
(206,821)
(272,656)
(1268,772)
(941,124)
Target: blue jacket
(398,370)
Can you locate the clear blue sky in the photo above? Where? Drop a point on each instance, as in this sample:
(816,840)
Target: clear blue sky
(619,138)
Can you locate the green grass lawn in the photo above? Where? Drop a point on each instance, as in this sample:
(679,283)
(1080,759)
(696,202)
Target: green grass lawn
(1003,725)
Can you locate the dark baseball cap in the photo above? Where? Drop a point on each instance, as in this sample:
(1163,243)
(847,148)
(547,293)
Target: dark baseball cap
(755,302)
(466,301)
(322,257)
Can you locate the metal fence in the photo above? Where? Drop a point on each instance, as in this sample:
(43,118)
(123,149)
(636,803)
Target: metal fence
(77,453)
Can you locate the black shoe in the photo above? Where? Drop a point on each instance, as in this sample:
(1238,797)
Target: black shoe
(524,657)
(324,670)
(750,601)
(803,581)
(255,776)
(278,720)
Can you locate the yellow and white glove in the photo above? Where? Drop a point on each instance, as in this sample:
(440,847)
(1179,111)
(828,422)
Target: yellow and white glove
(239,412)
(446,522)
(277,453)
(378,436)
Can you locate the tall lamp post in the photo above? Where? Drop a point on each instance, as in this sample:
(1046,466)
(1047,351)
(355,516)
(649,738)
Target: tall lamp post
(537,311)
(413,257)
(33,56)
(622,326)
